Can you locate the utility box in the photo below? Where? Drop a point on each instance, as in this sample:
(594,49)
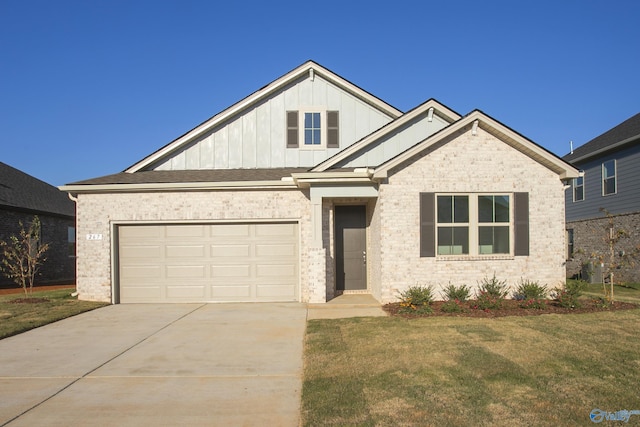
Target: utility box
(592,272)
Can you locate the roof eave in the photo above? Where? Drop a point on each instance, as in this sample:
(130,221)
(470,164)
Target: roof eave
(75,189)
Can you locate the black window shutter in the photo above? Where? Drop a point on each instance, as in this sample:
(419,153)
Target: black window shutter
(521,230)
(427,225)
(292,129)
(332,129)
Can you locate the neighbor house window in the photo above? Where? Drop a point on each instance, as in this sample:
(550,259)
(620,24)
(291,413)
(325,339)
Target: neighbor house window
(570,243)
(71,241)
(313,128)
(609,177)
(474,224)
(578,189)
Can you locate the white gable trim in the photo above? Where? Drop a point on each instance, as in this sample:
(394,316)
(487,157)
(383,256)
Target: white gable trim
(515,140)
(309,68)
(439,109)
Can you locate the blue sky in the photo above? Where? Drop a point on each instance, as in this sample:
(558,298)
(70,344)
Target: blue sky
(88,88)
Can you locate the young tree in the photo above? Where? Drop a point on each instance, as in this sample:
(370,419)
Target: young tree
(23,255)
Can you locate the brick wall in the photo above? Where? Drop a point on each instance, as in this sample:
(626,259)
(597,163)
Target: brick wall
(591,242)
(59,266)
(468,164)
(98,212)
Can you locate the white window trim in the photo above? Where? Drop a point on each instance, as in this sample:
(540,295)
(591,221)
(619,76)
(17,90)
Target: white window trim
(323,128)
(615,177)
(474,227)
(574,190)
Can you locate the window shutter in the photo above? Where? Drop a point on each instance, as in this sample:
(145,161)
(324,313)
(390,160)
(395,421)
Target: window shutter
(332,129)
(521,229)
(292,129)
(427,225)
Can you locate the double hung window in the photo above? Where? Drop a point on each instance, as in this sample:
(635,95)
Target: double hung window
(578,189)
(474,224)
(609,177)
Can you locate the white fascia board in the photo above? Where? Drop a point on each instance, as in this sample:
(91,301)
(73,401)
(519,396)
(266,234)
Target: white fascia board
(306,179)
(177,186)
(554,163)
(257,96)
(444,112)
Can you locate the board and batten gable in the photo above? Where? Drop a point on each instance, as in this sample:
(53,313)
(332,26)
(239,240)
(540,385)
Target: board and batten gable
(256,137)
(392,144)
(625,200)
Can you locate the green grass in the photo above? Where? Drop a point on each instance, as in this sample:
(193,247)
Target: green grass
(18,318)
(626,293)
(449,371)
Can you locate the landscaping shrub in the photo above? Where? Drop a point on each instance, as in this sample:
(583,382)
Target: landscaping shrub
(529,290)
(487,301)
(493,287)
(459,293)
(453,306)
(567,295)
(533,303)
(416,299)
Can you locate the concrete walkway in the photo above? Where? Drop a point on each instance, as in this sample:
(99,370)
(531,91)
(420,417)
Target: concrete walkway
(164,364)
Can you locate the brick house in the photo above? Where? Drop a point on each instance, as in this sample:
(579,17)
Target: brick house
(607,194)
(312,187)
(21,198)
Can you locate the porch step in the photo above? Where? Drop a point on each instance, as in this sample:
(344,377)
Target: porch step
(345,306)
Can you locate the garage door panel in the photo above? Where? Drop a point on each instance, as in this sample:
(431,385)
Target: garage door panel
(185,251)
(182,291)
(277,251)
(224,272)
(192,271)
(231,230)
(286,271)
(149,272)
(208,262)
(185,231)
(230,251)
(141,293)
(235,292)
(146,231)
(140,251)
(273,291)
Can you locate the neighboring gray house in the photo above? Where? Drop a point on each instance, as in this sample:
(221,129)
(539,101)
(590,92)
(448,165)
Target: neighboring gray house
(311,187)
(21,198)
(610,185)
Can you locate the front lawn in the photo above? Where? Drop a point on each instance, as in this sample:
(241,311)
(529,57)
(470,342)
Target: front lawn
(540,370)
(49,306)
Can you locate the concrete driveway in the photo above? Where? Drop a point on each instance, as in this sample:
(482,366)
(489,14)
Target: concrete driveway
(153,364)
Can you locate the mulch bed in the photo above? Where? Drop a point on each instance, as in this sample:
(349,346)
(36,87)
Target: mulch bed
(512,308)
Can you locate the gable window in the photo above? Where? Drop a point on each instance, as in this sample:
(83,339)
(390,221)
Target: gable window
(578,189)
(313,128)
(474,224)
(609,177)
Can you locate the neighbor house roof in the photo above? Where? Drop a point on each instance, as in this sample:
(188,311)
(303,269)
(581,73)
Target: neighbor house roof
(626,132)
(19,191)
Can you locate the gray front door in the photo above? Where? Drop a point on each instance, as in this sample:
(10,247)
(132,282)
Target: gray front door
(351,245)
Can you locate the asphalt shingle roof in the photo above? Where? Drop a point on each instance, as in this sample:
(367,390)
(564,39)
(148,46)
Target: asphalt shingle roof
(24,192)
(216,175)
(625,130)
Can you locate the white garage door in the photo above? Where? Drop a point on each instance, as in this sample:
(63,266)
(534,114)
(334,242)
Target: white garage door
(208,262)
